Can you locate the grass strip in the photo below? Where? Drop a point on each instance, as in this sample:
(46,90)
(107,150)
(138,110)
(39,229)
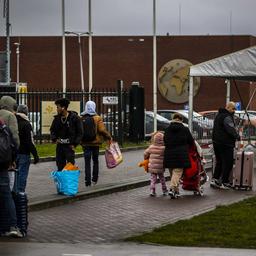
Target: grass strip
(232,226)
(49,149)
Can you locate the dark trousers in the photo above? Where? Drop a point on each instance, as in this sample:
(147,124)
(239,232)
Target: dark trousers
(64,154)
(224,162)
(6,196)
(91,153)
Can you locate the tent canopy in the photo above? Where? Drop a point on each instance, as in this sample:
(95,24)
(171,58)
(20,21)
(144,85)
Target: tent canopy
(239,65)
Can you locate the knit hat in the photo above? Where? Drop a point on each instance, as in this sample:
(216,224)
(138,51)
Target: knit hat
(22,109)
(90,108)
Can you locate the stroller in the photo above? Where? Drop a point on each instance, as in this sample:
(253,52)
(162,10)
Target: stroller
(194,177)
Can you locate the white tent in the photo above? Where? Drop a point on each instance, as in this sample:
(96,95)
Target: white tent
(239,65)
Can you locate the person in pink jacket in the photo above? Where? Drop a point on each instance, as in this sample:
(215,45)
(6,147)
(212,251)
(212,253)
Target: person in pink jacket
(155,154)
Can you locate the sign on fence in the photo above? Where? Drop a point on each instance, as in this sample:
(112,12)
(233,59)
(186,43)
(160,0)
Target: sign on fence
(110,100)
(49,111)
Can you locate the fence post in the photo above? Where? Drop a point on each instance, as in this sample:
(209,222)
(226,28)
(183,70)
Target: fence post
(120,111)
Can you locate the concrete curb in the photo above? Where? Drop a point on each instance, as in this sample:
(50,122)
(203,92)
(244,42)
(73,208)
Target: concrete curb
(106,189)
(58,200)
(78,155)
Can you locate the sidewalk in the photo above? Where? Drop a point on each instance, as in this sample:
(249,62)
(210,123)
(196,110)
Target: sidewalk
(42,192)
(110,218)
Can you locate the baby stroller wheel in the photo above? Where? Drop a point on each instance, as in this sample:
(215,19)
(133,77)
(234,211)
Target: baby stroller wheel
(200,192)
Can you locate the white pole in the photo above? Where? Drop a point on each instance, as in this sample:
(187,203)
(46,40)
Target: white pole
(154,67)
(18,62)
(8,52)
(179,19)
(81,62)
(64,82)
(227,81)
(190,104)
(90,46)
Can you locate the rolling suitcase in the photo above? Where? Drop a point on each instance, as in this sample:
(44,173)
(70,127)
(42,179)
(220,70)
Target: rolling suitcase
(243,170)
(21,205)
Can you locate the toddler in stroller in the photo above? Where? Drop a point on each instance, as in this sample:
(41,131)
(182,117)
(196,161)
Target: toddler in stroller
(195,177)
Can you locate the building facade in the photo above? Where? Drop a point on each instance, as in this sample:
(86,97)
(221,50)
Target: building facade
(130,58)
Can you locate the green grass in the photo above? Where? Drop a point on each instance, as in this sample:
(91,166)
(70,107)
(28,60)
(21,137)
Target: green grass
(232,226)
(48,149)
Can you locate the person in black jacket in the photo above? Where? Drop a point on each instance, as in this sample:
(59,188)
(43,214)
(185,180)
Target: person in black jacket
(66,131)
(177,139)
(224,137)
(26,147)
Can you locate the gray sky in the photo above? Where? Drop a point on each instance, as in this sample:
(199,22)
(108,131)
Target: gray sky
(132,17)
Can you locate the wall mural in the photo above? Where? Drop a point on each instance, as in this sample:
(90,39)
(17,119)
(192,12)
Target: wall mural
(173,81)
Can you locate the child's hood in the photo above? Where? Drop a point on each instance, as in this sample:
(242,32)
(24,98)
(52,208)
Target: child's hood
(158,139)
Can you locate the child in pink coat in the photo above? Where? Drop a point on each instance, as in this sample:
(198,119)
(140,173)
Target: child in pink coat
(155,154)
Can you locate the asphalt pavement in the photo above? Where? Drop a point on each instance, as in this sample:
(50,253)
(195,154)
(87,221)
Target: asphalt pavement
(98,225)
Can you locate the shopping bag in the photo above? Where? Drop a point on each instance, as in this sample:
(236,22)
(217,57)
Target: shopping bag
(113,155)
(70,167)
(66,182)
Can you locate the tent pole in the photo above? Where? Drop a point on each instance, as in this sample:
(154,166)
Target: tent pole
(227,82)
(248,105)
(190,104)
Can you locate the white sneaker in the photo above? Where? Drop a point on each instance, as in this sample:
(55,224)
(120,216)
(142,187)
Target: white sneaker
(225,186)
(14,232)
(153,193)
(215,184)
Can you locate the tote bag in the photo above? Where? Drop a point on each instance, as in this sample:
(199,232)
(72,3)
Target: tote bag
(66,181)
(113,155)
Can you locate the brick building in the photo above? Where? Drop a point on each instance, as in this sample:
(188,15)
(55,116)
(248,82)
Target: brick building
(129,58)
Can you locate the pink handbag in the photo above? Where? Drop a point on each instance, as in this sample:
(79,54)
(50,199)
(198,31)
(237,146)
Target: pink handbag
(113,155)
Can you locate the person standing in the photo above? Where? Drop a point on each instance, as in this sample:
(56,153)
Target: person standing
(66,131)
(26,147)
(94,133)
(155,154)
(177,139)
(224,136)
(7,158)
(7,106)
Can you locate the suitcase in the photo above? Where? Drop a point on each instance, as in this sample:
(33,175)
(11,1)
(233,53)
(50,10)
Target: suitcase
(243,170)
(21,203)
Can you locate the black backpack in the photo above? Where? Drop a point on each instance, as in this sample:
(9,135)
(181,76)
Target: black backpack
(89,129)
(6,145)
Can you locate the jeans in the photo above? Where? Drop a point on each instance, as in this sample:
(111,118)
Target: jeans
(91,152)
(6,196)
(224,162)
(23,163)
(64,154)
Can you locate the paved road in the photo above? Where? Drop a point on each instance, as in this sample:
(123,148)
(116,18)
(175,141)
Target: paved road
(97,226)
(114,249)
(41,186)
(113,217)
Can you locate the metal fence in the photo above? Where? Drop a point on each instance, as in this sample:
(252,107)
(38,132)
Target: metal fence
(107,110)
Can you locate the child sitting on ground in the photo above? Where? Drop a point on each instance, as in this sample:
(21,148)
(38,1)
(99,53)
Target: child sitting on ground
(155,154)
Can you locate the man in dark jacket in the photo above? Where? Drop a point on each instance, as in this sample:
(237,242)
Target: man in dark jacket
(224,137)
(177,139)
(66,132)
(26,147)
